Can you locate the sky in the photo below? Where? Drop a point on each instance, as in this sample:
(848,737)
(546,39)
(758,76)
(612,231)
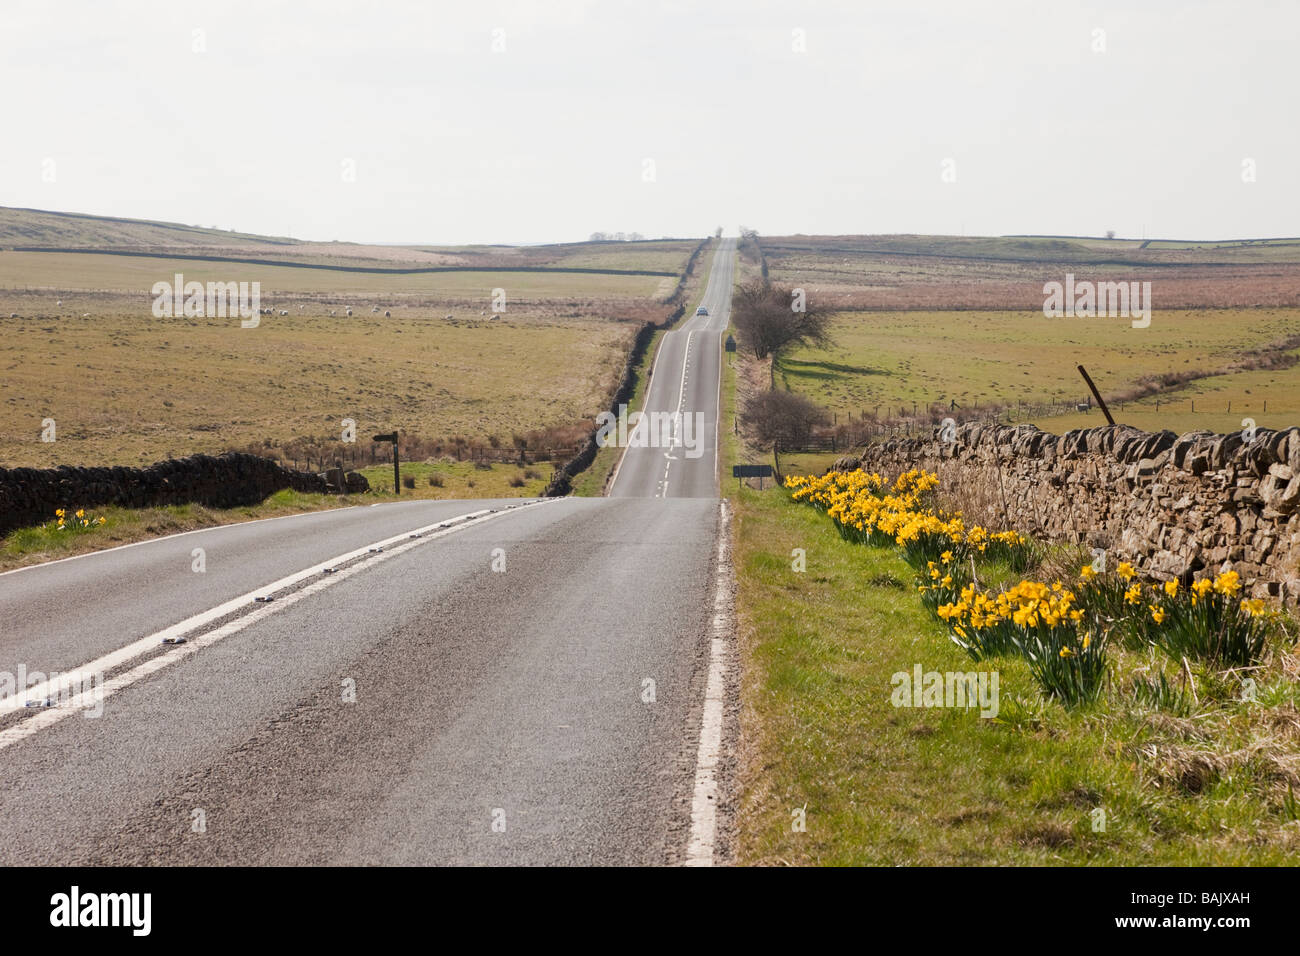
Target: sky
(522,122)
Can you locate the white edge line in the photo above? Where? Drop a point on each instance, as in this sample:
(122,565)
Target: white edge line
(181,534)
(151,642)
(704,802)
(92,698)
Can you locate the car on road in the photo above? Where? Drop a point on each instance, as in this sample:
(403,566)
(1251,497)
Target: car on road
(701,311)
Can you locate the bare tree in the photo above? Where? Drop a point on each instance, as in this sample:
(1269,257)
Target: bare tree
(770,318)
(779,419)
(1110,233)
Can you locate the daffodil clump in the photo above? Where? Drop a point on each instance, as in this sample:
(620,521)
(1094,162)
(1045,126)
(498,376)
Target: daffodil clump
(1061,631)
(1210,620)
(78,522)
(866,511)
(1042,624)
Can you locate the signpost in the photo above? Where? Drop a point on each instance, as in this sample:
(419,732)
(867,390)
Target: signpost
(397,476)
(751,471)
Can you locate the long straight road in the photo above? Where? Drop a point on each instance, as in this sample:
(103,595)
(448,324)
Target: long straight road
(685,387)
(511,682)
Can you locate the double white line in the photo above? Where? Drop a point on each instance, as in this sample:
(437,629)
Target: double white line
(182,645)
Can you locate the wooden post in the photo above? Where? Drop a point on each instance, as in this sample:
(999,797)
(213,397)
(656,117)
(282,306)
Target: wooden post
(1097,395)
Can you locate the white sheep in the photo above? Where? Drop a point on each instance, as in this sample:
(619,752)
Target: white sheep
(387,314)
(349,313)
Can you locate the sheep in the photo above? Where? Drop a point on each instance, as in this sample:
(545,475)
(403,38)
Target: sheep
(495,317)
(332,313)
(375,310)
(349,313)
(387,314)
(13,315)
(59,303)
(449,318)
(284,311)
(1083,408)
(85,315)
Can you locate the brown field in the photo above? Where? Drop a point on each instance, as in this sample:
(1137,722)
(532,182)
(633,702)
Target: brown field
(936,272)
(126,387)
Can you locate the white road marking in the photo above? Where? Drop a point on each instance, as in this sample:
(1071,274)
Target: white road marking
(181,534)
(704,803)
(83,675)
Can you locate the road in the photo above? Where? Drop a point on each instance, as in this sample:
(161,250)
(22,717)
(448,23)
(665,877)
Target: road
(685,381)
(450,682)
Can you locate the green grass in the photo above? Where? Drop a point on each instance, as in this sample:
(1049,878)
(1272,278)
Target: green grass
(459,480)
(462,479)
(897,786)
(881,362)
(26,546)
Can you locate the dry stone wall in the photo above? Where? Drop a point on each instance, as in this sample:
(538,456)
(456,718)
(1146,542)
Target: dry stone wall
(1174,505)
(29,496)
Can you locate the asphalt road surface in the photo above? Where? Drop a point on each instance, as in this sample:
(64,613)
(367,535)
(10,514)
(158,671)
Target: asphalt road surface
(485,682)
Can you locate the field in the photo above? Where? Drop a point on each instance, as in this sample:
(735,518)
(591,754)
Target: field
(1001,273)
(285,285)
(29,229)
(931,326)
(81,345)
(126,388)
(885,363)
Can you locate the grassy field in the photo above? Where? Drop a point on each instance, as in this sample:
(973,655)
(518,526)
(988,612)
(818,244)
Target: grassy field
(1008,272)
(884,362)
(127,388)
(96,271)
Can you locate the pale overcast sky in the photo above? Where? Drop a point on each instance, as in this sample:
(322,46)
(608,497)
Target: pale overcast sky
(844,127)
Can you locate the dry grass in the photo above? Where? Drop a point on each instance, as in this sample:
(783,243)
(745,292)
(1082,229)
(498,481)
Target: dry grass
(127,388)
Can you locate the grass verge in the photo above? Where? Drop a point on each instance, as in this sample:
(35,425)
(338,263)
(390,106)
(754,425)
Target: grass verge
(887,785)
(431,480)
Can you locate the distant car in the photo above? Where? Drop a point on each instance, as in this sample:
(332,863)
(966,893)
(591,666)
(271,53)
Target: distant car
(701,311)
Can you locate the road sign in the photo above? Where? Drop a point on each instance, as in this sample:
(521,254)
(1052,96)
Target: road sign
(730,344)
(751,471)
